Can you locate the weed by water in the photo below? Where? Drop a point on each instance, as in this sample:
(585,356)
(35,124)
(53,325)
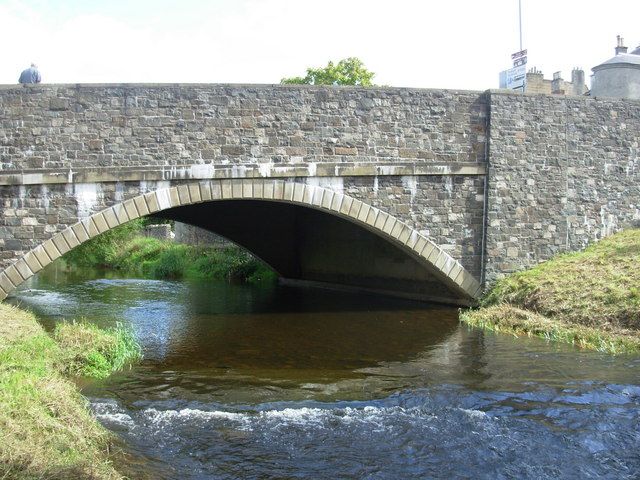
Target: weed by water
(89,351)
(589,298)
(45,427)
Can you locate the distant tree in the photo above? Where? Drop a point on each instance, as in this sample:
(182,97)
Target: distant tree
(349,71)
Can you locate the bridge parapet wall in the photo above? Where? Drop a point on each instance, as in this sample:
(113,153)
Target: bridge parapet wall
(182,128)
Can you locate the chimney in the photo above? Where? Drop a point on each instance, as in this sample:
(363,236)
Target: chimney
(620,48)
(557,84)
(577,80)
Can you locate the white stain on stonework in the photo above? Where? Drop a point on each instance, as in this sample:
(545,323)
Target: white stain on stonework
(87,196)
(410,183)
(202,171)
(608,223)
(265,169)
(238,171)
(312,168)
(447,183)
(335,184)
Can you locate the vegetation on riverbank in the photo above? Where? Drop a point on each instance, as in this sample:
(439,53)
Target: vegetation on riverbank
(590,298)
(45,427)
(124,249)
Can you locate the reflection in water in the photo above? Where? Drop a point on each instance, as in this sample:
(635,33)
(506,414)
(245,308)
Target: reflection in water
(268,382)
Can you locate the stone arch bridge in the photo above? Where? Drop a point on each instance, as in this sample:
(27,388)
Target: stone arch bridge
(427,194)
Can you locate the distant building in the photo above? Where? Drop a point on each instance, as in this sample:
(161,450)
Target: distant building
(536,83)
(618,77)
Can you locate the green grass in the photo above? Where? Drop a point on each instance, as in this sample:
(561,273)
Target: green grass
(590,298)
(87,350)
(122,249)
(46,431)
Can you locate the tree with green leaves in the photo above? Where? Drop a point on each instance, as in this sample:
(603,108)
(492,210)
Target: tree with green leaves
(349,71)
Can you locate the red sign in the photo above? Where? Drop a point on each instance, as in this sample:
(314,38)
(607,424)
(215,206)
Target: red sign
(519,54)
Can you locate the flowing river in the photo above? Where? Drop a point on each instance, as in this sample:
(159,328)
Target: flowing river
(267,382)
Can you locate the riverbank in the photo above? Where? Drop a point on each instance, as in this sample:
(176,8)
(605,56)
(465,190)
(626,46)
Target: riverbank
(124,249)
(590,298)
(46,430)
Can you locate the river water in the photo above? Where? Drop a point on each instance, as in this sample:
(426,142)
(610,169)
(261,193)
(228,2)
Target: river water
(267,382)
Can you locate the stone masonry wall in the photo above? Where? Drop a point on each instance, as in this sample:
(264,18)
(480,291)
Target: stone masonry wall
(67,152)
(62,127)
(563,172)
(499,180)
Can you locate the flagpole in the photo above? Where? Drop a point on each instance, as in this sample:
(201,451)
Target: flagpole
(520,21)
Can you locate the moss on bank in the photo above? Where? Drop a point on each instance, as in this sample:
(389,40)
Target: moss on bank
(45,427)
(589,298)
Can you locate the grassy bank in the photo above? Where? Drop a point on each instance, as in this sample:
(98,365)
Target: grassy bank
(590,298)
(46,431)
(124,249)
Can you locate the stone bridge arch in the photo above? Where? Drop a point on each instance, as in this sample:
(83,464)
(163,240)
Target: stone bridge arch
(458,281)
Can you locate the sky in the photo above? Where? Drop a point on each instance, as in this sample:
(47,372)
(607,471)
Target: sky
(448,44)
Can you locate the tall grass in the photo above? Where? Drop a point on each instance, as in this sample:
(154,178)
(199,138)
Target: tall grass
(590,298)
(87,350)
(123,249)
(46,430)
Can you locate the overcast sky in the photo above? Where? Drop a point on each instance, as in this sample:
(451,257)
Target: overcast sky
(456,44)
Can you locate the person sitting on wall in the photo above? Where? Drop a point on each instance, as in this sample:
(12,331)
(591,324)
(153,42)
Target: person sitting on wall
(30,75)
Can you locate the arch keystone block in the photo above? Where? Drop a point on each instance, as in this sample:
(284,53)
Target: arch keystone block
(23,269)
(236,189)
(307,194)
(247,188)
(327,199)
(412,240)
(153,201)
(216,190)
(70,238)
(380,220)
(267,189)
(278,190)
(6,284)
(14,275)
(288,191)
(183,195)
(318,195)
(41,255)
(425,247)
(389,225)
(111,218)
(80,232)
(194,193)
(354,210)
(60,243)
(141,205)
(336,202)
(205,191)
(226,190)
(398,229)
(130,208)
(33,262)
(120,213)
(174,196)
(258,188)
(91,225)
(298,192)
(345,207)
(455,272)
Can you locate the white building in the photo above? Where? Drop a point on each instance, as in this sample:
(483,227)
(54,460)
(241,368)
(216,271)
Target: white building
(619,76)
